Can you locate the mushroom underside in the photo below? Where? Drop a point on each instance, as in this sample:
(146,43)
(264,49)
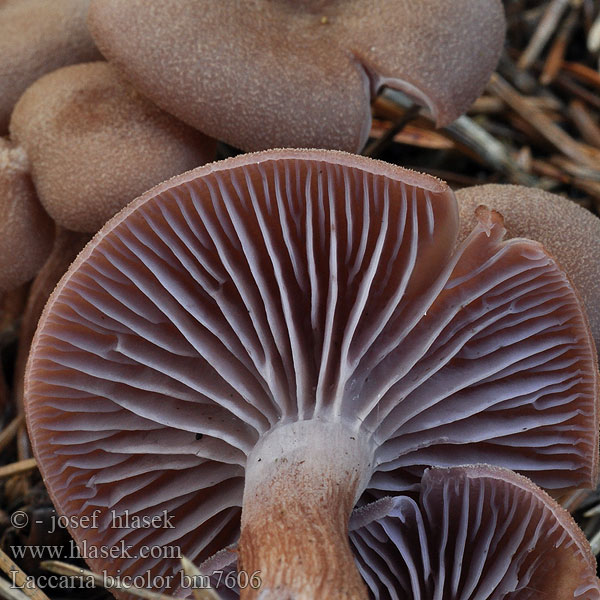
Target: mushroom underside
(299,291)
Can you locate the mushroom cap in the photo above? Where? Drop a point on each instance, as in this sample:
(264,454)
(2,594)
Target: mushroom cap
(26,231)
(475,532)
(285,288)
(95,143)
(36,37)
(569,232)
(268,74)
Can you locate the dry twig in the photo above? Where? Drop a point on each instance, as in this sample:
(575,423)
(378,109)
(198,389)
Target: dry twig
(17,468)
(546,27)
(16,574)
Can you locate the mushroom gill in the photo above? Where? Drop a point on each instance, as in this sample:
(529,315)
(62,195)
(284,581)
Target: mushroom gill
(273,338)
(476,532)
(568,231)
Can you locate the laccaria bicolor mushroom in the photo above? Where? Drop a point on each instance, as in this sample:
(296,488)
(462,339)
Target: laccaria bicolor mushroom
(94,143)
(91,144)
(26,231)
(258,345)
(36,37)
(568,231)
(270,74)
(476,532)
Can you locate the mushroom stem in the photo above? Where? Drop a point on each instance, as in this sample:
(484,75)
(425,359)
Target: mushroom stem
(302,482)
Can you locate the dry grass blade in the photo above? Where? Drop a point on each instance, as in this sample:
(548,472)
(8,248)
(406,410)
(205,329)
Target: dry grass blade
(17,575)
(571,501)
(545,169)
(8,433)
(595,543)
(191,570)
(595,510)
(571,87)
(16,468)
(379,145)
(482,146)
(575,169)
(412,135)
(465,131)
(589,187)
(593,40)
(61,568)
(555,57)
(544,125)
(547,26)
(486,105)
(583,73)
(585,123)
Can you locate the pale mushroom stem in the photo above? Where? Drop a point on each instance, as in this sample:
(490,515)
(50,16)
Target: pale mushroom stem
(302,483)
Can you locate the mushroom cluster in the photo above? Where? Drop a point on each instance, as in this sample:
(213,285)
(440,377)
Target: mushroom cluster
(94,143)
(314,373)
(245,72)
(260,345)
(83,143)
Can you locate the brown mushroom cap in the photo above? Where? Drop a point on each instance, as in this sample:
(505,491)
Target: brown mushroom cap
(36,37)
(269,74)
(95,144)
(476,532)
(26,231)
(569,232)
(294,312)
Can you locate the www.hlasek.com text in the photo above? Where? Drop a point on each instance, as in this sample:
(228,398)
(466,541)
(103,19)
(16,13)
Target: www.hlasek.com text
(92,551)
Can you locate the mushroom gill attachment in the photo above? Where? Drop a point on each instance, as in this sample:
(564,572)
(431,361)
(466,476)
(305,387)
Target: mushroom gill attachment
(273,74)
(475,532)
(297,321)
(95,144)
(569,232)
(36,37)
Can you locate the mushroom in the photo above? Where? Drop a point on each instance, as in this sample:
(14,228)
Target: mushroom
(271,74)
(476,532)
(253,347)
(26,231)
(94,143)
(36,37)
(569,232)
